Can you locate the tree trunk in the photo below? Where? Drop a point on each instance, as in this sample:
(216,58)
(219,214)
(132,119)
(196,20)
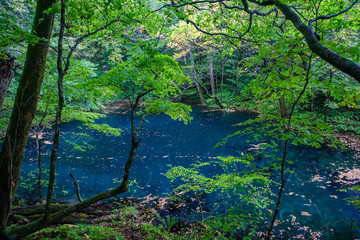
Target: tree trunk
(327,100)
(212,81)
(222,78)
(193,68)
(38,146)
(56,138)
(26,100)
(5,77)
(283,108)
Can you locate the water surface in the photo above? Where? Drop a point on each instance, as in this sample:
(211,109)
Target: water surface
(311,193)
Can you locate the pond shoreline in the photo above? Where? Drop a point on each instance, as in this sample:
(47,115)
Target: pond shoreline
(347,139)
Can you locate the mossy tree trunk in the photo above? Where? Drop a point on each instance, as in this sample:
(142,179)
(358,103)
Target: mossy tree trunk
(26,100)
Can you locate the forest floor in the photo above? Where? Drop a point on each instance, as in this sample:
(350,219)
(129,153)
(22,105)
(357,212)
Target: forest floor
(350,141)
(128,218)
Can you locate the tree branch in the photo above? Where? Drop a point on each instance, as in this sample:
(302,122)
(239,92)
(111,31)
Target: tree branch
(79,40)
(347,66)
(246,9)
(334,15)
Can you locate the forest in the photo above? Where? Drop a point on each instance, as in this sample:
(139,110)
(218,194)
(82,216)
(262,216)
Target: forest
(179,119)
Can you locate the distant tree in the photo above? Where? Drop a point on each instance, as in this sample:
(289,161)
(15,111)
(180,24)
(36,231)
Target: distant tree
(257,18)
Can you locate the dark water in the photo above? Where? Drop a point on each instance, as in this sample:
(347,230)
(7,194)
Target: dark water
(312,189)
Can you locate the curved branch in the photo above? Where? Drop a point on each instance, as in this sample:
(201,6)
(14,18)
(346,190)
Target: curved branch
(185,4)
(228,37)
(246,8)
(345,65)
(334,15)
(79,40)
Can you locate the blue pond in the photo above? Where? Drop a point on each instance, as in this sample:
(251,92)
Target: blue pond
(311,192)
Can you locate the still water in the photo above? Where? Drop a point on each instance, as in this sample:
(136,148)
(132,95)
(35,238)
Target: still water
(312,190)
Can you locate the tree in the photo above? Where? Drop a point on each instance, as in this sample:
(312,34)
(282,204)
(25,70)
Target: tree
(148,75)
(310,11)
(12,150)
(184,40)
(62,71)
(284,82)
(187,41)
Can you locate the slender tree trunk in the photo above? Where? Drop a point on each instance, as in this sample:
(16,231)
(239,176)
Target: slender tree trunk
(285,151)
(39,150)
(56,138)
(5,77)
(38,146)
(284,112)
(222,78)
(26,100)
(77,188)
(193,67)
(62,71)
(327,100)
(212,81)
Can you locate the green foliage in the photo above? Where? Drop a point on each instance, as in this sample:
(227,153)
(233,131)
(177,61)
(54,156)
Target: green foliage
(13,31)
(177,111)
(77,232)
(168,222)
(266,76)
(243,192)
(79,141)
(28,186)
(345,120)
(152,73)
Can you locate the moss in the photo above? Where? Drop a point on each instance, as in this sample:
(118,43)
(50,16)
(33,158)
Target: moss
(76,232)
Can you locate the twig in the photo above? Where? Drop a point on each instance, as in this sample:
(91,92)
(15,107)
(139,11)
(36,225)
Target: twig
(268,233)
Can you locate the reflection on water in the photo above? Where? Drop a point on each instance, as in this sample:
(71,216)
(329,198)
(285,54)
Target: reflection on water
(311,193)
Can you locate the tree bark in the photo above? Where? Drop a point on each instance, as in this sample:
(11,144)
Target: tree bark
(193,67)
(5,76)
(26,100)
